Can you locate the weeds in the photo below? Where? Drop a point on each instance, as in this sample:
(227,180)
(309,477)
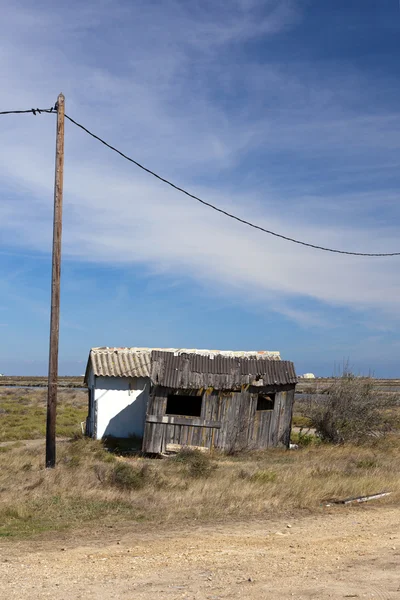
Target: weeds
(198,464)
(127,477)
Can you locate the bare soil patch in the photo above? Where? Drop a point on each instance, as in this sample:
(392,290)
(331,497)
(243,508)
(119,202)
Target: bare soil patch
(339,553)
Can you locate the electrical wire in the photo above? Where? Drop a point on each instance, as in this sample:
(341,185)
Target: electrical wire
(31,110)
(204,202)
(224,212)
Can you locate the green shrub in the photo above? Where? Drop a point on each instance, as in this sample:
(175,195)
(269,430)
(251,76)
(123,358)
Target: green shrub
(127,477)
(305,439)
(197,463)
(352,411)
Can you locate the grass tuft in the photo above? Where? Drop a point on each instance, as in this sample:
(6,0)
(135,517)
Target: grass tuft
(126,477)
(263,477)
(198,464)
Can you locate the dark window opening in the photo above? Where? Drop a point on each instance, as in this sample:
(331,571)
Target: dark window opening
(184,406)
(266,402)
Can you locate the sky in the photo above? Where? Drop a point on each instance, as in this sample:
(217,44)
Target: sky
(284,112)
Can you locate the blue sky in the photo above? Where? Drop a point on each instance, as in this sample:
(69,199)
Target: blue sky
(285,112)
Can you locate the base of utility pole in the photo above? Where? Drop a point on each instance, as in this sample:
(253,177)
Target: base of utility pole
(55,289)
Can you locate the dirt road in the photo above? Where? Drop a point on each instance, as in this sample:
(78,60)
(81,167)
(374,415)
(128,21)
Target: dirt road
(343,553)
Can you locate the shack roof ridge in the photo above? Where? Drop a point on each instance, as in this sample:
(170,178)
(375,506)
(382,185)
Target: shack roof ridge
(273,354)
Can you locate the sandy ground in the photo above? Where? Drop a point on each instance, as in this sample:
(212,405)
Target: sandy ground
(342,553)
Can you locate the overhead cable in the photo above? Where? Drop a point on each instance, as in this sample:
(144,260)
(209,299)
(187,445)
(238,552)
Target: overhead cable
(224,212)
(34,111)
(204,202)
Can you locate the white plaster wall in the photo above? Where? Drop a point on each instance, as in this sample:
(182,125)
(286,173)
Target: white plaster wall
(121,405)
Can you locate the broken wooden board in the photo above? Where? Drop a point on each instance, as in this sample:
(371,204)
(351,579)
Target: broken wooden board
(177,447)
(360,499)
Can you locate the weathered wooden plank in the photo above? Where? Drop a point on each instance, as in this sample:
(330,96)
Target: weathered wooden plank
(190,421)
(222,415)
(169,434)
(178,434)
(216,404)
(190,436)
(147,434)
(159,437)
(177,447)
(183,435)
(264,431)
(288,418)
(281,417)
(152,441)
(157,402)
(195,436)
(262,440)
(252,421)
(235,422)
(275,420)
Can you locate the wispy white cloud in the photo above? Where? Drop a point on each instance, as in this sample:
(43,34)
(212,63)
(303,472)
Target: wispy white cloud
(174,98)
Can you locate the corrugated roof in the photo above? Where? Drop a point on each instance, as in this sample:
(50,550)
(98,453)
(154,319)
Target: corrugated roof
(180,367)
(190,371)
(120,362)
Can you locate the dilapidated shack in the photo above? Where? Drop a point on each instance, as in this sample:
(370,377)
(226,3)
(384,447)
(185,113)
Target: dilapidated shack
(174,397)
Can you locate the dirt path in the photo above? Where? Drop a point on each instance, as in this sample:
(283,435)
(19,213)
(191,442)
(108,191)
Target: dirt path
(344,553)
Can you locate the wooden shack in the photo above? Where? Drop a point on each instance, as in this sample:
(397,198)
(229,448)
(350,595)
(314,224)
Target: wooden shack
(172,398)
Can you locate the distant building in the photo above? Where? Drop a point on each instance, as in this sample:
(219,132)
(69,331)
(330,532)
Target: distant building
(171,398)
(308,376)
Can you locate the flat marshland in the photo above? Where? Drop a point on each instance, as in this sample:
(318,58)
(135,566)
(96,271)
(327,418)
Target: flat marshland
(23,413)
(91,483)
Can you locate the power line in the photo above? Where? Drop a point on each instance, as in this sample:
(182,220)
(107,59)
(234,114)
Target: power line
(224,212)
(31,110)
(204,202)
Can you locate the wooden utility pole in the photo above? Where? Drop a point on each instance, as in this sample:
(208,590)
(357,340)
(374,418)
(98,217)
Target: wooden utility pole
(55,290)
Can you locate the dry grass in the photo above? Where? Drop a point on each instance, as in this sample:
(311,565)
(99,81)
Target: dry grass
(90,484)
(23,413)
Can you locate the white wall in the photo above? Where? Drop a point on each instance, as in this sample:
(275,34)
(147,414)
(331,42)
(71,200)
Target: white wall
(121,405)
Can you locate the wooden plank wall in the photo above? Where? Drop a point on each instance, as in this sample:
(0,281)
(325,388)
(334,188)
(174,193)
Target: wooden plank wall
(229,421)
(199,431)
(269,428)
